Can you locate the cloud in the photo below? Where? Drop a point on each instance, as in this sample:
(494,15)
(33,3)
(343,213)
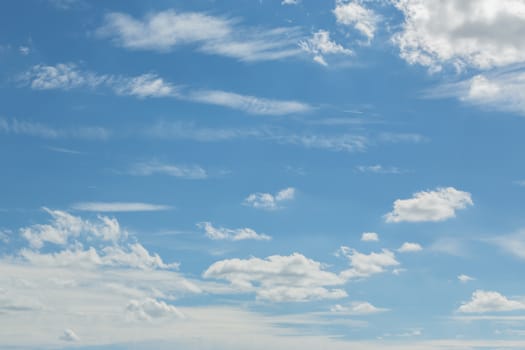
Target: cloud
(268,201)
(221,233)
(290,2)
(465,278)
(437,205)
(357,308)
(481,34)
(250,104)
(369,237)
(64,226)
(192,172)
(513,244)
(486,301)
(69,336)
(500,90)
(279,278)
(118,206)
(366,265)
(320,44)
(67,76)
(165,30)
(18,127)
(353,13)
(408,247)
(149,309)
(378,169)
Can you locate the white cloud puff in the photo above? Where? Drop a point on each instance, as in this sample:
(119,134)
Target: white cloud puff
(438,205)
(279,278)
(150,309)
(221,233)
(69,336)
(357,308)
(488,301)
(354,13)
(409,247)
(369,237)
(320,44)
(365,265)
(268,201)
(476,33)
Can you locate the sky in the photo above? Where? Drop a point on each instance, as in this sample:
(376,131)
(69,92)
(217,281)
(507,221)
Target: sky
(272,174)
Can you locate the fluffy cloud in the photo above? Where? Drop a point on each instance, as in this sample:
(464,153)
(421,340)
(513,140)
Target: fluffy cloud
(365,265)
(486,301)
(279,278)
(119,206)
(369,237)
(269,201)
(65,226)
(149,309)
(320,44)
(408,247)
(221,233)
(66,76)
(437,205)
(165,30)
(353,13)
(477,33)
(357,308)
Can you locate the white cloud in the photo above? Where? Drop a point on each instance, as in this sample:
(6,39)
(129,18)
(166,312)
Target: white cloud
(513,244)
(409,247)
(378,169)
(477,33)
(499,90)
(118,206)
(66,76)
(182,171)
(357,308)
(465,278)
(487,301)
(437,205)
(17,127)
(369,237)
(279,278)
(250,104)
(353,13)
(290,2)
(149,309)
(69,336)
(24,50)
(65,226)
(221,233)
(366,265)
(165,30)
(268,201)
(320,44)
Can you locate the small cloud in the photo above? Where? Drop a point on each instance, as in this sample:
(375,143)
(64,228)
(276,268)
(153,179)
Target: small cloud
(268,201)
(221,233)
(290,2)
(320,44)
(378,169)
(69,336)
(465,278)
(357,308)
(24,50)
(408,247)
(369,237)
(489,301)
(193,172)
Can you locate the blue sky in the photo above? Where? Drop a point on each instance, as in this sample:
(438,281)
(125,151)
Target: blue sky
(262,174)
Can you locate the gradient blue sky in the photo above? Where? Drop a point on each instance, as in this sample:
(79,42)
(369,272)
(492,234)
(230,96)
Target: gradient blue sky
(262,174)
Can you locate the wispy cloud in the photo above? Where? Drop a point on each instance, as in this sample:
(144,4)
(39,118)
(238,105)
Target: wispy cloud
(119,206)
(159,168)
(67,76)
(19,127)
(320,45)
(378,169)
(165,30)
